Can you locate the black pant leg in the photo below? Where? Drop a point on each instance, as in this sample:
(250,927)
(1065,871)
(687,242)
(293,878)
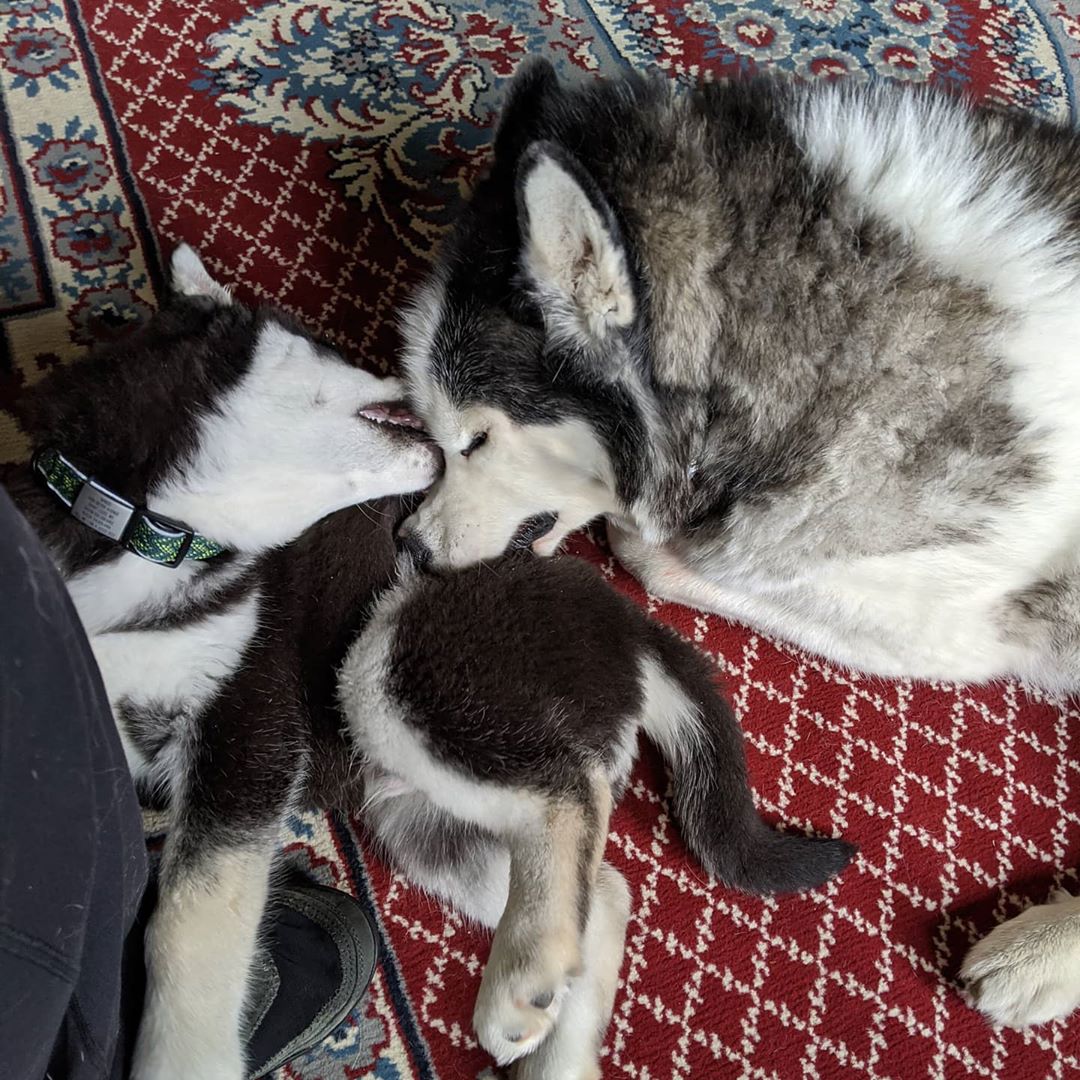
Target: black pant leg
(72,860)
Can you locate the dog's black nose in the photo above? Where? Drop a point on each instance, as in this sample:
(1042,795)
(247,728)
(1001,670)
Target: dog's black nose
(532,529)
(412,544)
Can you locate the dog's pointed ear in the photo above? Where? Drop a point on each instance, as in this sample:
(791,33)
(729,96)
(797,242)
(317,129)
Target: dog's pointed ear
(572,249)
(190,278)
(534,86)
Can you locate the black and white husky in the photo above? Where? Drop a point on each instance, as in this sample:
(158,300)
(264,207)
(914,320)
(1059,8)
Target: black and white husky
(815,355)
(484,725)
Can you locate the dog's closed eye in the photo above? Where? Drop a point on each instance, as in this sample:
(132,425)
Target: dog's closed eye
(478,440)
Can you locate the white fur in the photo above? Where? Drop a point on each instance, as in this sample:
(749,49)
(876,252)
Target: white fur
(113,594)
(201,937)
(521,470)
(913,160)
(623,756)
(858,617)
(191,278)
(180,669)
(670,718)
(1027,970)
(419,323)
(570,255)
(285,448)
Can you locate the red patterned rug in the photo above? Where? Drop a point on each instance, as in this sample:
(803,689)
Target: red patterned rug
(313,150)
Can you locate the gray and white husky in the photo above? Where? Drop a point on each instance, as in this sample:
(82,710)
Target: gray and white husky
(814,352)
(481,727)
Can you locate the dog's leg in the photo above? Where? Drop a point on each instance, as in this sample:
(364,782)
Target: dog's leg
(1027,970)
(667,577)
(572,1050)
(454,860)
(476,881)
(199,949)
(537,949)
(243,767)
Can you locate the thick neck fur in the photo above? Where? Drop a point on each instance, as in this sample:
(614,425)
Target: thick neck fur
(118,417)
(129,417)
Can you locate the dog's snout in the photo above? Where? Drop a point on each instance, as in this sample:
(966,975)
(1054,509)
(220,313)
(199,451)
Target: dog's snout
(437,456)
(410,542)
(532,529)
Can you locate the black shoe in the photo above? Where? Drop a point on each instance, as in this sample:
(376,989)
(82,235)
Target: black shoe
(317,960)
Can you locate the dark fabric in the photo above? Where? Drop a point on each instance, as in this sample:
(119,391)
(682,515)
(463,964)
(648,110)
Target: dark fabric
(308,964)
(73,866)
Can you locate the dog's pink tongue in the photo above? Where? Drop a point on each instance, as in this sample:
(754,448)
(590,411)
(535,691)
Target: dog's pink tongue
(389,412)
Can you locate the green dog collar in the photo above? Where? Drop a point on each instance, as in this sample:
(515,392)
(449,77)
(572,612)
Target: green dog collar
(134,528)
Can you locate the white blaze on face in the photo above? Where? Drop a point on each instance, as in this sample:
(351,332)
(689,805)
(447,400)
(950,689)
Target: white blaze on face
(290,443)
(499,474)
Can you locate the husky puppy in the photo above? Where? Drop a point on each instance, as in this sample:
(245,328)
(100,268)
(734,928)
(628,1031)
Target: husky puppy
(283,656)
(814,352)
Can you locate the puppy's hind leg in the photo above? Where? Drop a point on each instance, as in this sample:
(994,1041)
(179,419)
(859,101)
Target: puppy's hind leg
(572,1050)
(537,952)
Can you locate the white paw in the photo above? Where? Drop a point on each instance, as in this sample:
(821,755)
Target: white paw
(1027,970)
(534,1068)
(158,1063)
(519,999)
(168,1048)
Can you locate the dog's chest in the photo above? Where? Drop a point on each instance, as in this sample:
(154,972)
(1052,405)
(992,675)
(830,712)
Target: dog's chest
(160,681)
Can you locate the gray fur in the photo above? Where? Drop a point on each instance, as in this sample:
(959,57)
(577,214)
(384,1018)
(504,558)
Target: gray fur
(815,385)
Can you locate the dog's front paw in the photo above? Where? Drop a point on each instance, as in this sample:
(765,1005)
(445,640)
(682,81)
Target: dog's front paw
(520,995)
(1027,970)
(153,1063)
(170,1047)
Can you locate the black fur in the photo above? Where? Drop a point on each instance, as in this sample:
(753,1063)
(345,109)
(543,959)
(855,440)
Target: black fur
(525,674)
(712,799)
(543,683)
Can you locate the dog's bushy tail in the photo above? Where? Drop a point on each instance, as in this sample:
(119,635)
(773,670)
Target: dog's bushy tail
(696,731)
